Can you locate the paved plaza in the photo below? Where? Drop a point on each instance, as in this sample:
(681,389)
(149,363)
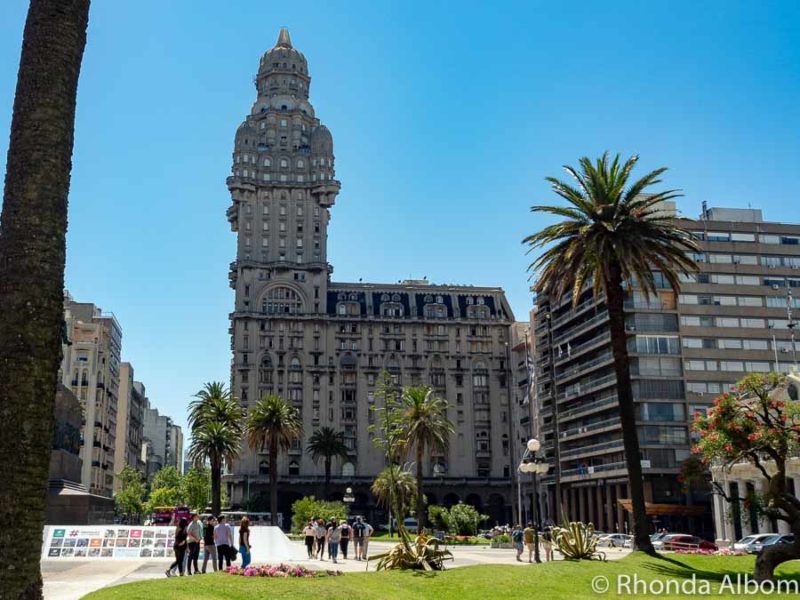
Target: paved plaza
(70,580)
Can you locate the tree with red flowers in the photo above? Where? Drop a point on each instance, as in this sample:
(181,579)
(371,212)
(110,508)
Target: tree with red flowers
(758,423)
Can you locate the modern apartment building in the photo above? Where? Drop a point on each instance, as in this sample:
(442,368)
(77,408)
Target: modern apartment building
(130,422)
(321,344)
(730,318)
(162,442)
(90,368)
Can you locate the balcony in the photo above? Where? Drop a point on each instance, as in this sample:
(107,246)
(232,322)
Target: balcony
(603,403)
(605,447)
(591,428)
(574,312)
(581,328)
(588,387)
(584,367)
(577,350)
(589,472)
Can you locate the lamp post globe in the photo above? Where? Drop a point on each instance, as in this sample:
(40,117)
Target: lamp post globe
(533,445)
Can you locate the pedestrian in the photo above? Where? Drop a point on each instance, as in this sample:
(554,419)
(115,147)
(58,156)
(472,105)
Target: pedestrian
(194,534)
(345,538)
(321,533)
(310,535)
(516,538)
(179,547)
(334,537)
(244,541)
(209,549)
(547,544)
(527,536)
(361,532)
(223,540)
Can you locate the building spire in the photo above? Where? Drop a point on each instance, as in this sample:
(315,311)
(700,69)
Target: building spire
(284,41)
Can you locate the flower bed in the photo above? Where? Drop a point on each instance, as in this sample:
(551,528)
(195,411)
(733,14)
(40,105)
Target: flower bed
(723,552)
(281,570)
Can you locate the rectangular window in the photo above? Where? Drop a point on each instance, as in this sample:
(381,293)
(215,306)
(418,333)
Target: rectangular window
(727,322)
(747,280)
(722,279)
(752,323)
(743,237)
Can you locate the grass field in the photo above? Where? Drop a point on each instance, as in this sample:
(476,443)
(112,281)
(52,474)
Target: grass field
(559,580)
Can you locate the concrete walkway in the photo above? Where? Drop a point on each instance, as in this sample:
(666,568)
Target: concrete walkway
(72,579)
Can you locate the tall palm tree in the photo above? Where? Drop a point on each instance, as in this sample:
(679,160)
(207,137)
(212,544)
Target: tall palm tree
(395,489)
(327,443)
(425,427)
(217,424)
(613,235)
(273,425)
(33,229)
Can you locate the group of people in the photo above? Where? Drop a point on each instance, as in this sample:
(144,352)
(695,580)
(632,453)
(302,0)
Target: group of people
(526,539)
(218,544)
(333,535)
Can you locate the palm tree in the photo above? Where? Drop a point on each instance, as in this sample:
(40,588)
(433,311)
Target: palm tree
(396,490)
(217,425)
(328,444)
(613,235)
(33,229)
(425,426)
(273,424)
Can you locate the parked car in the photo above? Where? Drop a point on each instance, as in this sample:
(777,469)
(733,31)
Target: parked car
(682,541)
(614,540)
(747,543)
(772,540)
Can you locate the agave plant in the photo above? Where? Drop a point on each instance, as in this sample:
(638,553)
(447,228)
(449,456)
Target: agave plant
(421,554)
(576,541)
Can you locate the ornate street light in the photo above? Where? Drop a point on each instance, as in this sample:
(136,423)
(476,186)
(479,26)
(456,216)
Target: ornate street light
(536,466)
(348,498)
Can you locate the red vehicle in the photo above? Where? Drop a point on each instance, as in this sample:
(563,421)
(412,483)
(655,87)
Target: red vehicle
(170,515)
(680,541)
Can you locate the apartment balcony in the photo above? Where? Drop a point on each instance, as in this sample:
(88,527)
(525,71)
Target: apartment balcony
(604,403)
(579,349)
(583,327)
(576,432)
(588,387)
(585,367)
(572,313)
(593,472)
(603,448)
(483,454)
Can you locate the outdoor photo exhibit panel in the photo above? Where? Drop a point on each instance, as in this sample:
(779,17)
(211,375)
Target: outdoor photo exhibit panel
(107,541)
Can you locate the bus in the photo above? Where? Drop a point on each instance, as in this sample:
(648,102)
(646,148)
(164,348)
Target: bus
(170,515)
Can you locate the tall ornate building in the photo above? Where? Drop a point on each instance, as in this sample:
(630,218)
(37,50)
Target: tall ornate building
(321,344)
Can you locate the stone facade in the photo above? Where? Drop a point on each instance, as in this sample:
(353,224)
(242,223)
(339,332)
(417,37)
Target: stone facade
(130,423)
(321,344)
(162,443)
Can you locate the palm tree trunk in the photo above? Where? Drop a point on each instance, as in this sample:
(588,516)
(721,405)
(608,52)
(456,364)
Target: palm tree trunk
(273,481)
(327,476)
(627,413)
(32,252)
(420,497)
(216,486)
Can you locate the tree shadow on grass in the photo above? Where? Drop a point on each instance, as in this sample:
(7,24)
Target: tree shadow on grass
(673,567)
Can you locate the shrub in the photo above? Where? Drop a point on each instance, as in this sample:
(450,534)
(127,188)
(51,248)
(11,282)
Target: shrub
(439,518)
(577,541)
(461,519)
(421,554)
(309,507)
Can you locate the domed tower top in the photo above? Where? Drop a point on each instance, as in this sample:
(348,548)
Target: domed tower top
(283,70)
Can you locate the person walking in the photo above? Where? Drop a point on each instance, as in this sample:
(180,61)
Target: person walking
(528,535)
(194,533)
(244,541)
(310,536)
(179,547)
(361,532)
(334,537)
(547,544)
(223,540)
(516,538)
(345,538)
(209,549)
(321,533)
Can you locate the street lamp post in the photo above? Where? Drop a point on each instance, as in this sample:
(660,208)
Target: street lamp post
(536,466)
(348,498)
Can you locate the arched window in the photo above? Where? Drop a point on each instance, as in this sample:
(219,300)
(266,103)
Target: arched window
(284,163)
(263,468)
(282,300)
(294,468)
(479,311)
(300,163)
(348,309)
(391,309)
(265,373)
(267,162)
(435,311)
(348,470)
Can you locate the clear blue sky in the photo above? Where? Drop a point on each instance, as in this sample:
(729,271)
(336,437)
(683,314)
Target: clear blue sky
(446,117)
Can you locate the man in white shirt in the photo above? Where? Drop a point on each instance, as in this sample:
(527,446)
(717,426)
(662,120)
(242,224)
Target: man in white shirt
(223,540)
(361,531)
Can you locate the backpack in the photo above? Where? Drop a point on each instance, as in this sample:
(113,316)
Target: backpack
(358,530)
(345,531)
(516,535)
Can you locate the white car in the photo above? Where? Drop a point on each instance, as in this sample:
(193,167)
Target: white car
(752,543)
(614,540)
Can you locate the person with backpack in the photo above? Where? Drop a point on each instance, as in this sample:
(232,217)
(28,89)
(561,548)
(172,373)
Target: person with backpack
(361,532)
(547,544)
(516,538)
(345,538)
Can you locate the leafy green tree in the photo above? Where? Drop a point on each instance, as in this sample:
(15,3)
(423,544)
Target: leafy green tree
(758,422)
(33,229)
(439,518)
(196,488)
(308,507)
(130,497)
(327,443)
(612,234)
(395,490)
(273,425)
(217,424)
(425,426)
(163,496)
(166,477)
(465,519)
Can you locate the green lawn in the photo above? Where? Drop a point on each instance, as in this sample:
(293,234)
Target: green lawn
(554,581)
(383,536)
